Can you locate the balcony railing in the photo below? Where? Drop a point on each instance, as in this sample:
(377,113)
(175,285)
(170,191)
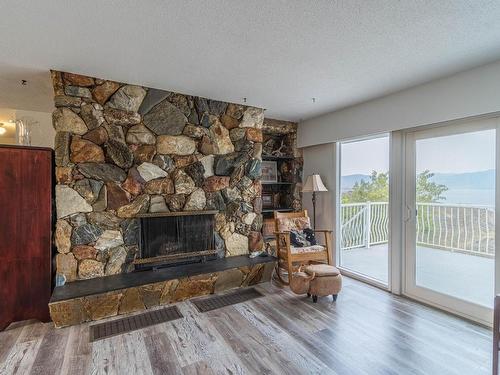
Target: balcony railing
(459,227)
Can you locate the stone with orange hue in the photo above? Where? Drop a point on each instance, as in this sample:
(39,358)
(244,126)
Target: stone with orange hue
(184,161)
(145,153)
(82,252)
(160,186)
(66,265)
(98,135)
(235,110)
(78,80)
(254,135)
(62,236)
(139,206)
(103,92)
(68,313)
(131,185)
(194,286)
(131,301)
(117,196)
(229,122)
(120,117)
(216,183)
(57,82)
(64,175)
(90,268)
(103,305)
(255,241)
(85,151)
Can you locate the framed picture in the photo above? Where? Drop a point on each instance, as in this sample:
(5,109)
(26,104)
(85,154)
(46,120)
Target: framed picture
(267,200)
(269,172)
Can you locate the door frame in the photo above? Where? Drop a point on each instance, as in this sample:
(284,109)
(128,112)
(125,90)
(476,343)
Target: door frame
(467,309)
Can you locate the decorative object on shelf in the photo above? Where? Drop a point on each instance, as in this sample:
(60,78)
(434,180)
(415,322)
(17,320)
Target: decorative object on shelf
(269,172)
(23,131)
(276,200)
(313,185)
(267,200)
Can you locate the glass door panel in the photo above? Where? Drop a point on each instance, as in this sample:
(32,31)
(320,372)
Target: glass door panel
(364,208)
(451,235)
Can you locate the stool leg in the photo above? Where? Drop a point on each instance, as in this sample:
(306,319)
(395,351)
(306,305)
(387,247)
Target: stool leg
(334,297)
(315,299)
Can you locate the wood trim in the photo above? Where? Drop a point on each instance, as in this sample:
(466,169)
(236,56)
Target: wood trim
(163,258)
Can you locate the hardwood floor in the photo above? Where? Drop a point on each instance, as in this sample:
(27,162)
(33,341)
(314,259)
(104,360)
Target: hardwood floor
(367,331)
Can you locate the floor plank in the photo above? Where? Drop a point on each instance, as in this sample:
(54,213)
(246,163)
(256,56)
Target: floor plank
(367,331)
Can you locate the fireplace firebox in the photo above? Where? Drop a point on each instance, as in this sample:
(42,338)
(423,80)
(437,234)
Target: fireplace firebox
(174,238)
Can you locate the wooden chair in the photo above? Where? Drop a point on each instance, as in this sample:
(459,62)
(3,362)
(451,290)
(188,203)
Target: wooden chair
(291,258)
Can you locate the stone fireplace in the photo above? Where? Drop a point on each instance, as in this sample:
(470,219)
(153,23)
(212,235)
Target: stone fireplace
(125,152)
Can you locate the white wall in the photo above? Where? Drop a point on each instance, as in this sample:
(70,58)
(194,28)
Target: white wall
(474,92)
(42,132)
(320,159)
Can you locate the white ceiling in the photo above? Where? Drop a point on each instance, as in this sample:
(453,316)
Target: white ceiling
(277,53)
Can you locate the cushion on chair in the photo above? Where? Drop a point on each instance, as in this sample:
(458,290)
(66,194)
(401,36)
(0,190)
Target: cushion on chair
(293,223)
(307,249)
(322,270)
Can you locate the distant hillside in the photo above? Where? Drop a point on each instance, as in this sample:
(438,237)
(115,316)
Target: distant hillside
(472,180)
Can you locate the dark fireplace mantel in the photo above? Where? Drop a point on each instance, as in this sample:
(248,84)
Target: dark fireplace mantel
(179,213)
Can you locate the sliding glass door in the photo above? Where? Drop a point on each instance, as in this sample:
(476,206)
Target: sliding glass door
(364,208)
(450,217)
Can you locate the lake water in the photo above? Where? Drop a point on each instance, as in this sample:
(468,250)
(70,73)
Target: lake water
(482,197)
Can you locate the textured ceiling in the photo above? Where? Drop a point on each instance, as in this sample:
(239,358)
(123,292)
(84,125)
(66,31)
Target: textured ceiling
(278,54)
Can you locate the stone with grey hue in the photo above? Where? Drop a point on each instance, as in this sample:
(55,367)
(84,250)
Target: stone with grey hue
(105,172)
(201,104)
(175,202)
(139,134)
(165,119)
(254,169)
(225,164)
(67,101)
(217,107)
(196,171)
(215,201)
(81,92)
(106,220)
(119,153)
(252,118)
(158,204)
(65,120)
(196,201)
(109,239)
(153,97)
(231,194)
(92,115)
(195,131)
(208,165)
(183,183)
(165,162)
(117,257)
(127,98)
(150,171)
(77,219)
(119,117)
(61,148)
(88,189)
(68,202)
(130,230)
(85,234)
(236,244)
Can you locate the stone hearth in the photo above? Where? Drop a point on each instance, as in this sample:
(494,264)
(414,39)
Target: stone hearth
(90,300)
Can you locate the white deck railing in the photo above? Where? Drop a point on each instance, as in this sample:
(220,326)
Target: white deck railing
(459,227)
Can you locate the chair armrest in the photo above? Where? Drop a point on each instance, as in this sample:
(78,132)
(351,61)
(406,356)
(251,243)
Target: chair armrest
(278,233)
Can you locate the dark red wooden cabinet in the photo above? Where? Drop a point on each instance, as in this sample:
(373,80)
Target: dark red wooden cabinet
(25,233)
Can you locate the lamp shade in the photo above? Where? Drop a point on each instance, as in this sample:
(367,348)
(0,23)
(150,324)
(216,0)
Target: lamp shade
(314,183)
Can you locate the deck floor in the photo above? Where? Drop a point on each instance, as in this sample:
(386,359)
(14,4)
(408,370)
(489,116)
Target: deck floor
(465,276)
(367,331)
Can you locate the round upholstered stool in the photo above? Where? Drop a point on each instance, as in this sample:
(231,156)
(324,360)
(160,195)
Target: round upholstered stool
(327,281)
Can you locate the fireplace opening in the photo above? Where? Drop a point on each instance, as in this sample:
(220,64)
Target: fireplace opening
(174,238)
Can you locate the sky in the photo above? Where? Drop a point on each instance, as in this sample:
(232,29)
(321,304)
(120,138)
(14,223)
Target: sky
(458,153)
